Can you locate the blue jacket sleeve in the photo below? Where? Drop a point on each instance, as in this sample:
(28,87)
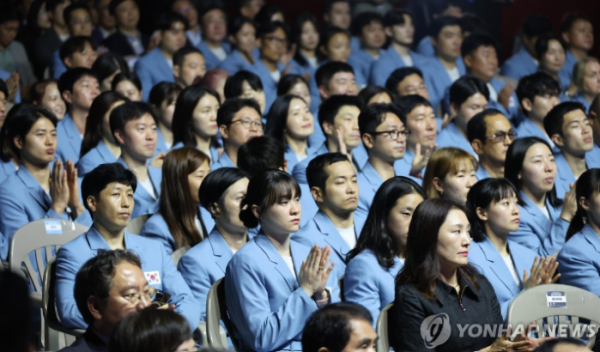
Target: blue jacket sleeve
(248,302)
(360,286)
(578,269)
(67,266)
(197,278)
(145,75)
(550,243)
(181,296)
(156,233)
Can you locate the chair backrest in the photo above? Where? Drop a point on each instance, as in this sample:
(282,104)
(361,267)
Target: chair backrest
(216,311)
(39,237)
(382,327)
(558,310)
(179,253)
(135,225)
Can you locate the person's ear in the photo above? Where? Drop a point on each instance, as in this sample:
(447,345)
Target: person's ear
(527,104)
(119,137)
(176,70)
(368,141)
(565,37)
(256,211)
(433,41)
(317,194)
(328,129)
(232,37)
(477,146)
(558,140)
(18,142)
(437,184)
(323,50)
(481,214)
(323,92)
(453,109)
(67,96)
(584,204)
(224,131)
(67,61)
(91,203)
(215,210)
(94,306)
(323,349)
(468,60)
(388,31)
(285,165)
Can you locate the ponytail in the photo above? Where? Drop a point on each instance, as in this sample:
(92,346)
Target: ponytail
(587,185)
(577,223)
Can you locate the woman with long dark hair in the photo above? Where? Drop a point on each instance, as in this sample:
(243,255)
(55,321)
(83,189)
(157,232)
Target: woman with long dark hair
(195,121)
(505,263)
(99,145)
(273,284)
(178,222)
(381,247)
(437,280)
(579,259)
(545,218)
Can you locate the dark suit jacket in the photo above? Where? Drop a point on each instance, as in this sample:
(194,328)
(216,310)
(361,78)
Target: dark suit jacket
(118,44)
(88,342)
(43,48)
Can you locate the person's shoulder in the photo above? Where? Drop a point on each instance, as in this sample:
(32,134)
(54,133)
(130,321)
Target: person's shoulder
(363,261)
(8,186)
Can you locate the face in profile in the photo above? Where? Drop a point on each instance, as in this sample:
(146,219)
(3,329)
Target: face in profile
(454,239)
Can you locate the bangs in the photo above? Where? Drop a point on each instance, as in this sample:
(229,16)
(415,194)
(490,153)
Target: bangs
(285,188)
(503,191)
(463,162)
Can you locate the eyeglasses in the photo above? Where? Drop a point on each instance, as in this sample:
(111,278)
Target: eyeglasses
(500,137)
(135,297)
(249,123)
(393,134)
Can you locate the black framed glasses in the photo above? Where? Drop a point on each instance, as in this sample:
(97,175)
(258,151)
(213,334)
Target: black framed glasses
(500,137)
(249,123)
(393,134)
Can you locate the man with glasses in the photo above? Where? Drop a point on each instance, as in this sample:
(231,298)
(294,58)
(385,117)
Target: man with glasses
(383,132)
(108,196)
(272,44)
(107,288)
(157,65)
(239,121)
(569,128)
(490,134)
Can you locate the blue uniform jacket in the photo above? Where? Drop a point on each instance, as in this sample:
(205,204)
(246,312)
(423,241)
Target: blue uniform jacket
(58,67)
(71,257)
(566,72)
(519,65)
(214,153)
(236,62)
(438,80)
(269,84)
(564,175)
(211,60)
(388,62)
(451,137)
(223,161)
(152,69)
(266,304)
(315,96)
(593,158)
(7,168)
(482,174)
(361,61)
(69,140)
(580,261)
(144,203)
(368,283)
(581,99)
(95,157)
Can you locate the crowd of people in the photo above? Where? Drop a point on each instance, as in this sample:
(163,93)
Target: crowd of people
(322,169)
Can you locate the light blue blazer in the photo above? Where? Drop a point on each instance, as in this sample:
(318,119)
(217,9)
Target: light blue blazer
(564,175)
(205,264)
(223,161)
(482,174)
(157,229)
(529,129)
(69,140)
(580,261)
(513,103)
(292,160)
(236,62)
(580,99)
(566,73)
(425,47)
(593,158)
(437,79)
(58,67)
(488,261)
(71,257)
(7,168)
(266,304)
(144,203)
(315,96)
(214,153)
(388,62)
(361,61)
(95,157)
(269,84)
(451,137)
(23,200)
(537,232)
(161,145)
(321,231)
(211,60)
(152,69)
(369,182)
(519,65)
(370,284)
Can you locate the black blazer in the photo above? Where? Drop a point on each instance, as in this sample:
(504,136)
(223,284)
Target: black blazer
(409,332)
(118,44)
(88,342)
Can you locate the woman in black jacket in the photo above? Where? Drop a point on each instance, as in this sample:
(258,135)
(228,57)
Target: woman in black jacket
(439,295)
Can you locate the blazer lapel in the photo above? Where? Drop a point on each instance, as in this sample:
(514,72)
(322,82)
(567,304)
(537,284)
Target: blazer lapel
(35,190)
(331,235)
(95,240)
(73,134)
(533,210)
(156,178)
(221,250)
(105,153)
(498,265)
(274,257)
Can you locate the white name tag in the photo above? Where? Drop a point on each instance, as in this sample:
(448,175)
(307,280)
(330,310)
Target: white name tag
(556,299)
(153,277)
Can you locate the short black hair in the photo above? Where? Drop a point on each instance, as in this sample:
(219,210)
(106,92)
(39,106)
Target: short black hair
(373,115)
(553,122)
(330,107)
(368,92)
(107,64)
(437,7)
(465,87)
(180,54)
(439,23)
(260,154)
(471,23)
(287,82)
(316,175)
(163,91)
(19,121)
(329,4)
(237,23)
(112,7)
(126,76)
(73,45)
(538,84)
(230,107)
(217,182)
(68,79)
(364,19)
(73,7)
(329,69)
(8,12)
(266,12)
(94,278)
(476,40)
(210,7)
(549,345)
(96,180)
(477,128)
(270,27)
(330,327)
(166,20)
(395,17)
(51,4)
(535,25)
(570,18)
(128,111)
(543,41)
(408,103)
(329,32)
(398,75)
(233,85)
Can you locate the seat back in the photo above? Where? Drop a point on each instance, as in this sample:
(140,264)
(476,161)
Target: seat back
(53,325)
(382,328)
(179,253)
(557,310)
(38,237)
(135,225)
(216,311)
